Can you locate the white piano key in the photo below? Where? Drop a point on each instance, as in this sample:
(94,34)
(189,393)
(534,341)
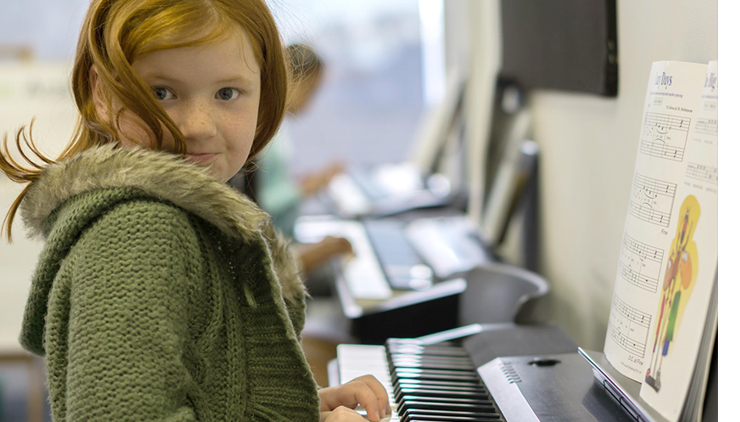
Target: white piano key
(356,360)
(348,197)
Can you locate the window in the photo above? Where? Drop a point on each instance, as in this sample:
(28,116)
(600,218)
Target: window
(373,93)
(368,107)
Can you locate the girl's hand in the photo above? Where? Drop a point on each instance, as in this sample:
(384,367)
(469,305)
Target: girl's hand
(313,255)
(335,245)
(315,182)
(342,414)
(365,391)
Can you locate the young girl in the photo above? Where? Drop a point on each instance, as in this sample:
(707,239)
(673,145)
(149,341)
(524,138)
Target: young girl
(161,293)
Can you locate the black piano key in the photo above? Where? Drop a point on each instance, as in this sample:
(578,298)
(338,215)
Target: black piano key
(434,374)
(445,397)
(398,393)
(401,366)
(431,365)
(400,390)
(429,351)
(439,372)
(430,358)
(440,391)
(427,368)
(432,418)
(409,405)
(437,385)
(436,348)
(434,378)
(447,415)
(426,347)
(441,395)
(457,364)
(410,341)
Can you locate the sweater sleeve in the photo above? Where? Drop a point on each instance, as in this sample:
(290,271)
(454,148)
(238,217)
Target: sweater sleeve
(128,326)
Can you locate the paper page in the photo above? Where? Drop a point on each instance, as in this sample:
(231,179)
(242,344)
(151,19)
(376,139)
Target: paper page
(669,118)
(676,334)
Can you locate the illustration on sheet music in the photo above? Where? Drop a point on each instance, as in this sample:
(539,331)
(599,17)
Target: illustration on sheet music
(678,283)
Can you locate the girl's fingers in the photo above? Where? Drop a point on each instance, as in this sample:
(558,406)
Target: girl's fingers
(341,414)
(366,391)
(378,391)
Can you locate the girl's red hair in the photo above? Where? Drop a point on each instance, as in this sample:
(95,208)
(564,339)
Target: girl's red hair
(116,32)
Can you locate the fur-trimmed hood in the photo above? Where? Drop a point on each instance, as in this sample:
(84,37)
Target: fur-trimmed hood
(166,177)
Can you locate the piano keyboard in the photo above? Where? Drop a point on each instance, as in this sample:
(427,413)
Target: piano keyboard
(362,272)
(424,383)
(450,244)
(348,197)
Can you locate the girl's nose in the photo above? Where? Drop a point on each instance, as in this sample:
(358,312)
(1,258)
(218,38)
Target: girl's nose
(197,122)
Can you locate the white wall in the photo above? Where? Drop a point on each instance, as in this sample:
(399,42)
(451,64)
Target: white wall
(40,90)
(588,149)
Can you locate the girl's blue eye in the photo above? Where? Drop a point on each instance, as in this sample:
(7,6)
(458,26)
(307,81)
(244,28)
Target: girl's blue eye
(162,93)
(227,94)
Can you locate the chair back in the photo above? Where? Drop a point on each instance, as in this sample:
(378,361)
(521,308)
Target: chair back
(497,292)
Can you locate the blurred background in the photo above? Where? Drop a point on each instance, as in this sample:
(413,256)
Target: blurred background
(384,64)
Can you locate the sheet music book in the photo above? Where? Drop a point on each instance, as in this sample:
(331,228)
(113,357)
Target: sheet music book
(663,318)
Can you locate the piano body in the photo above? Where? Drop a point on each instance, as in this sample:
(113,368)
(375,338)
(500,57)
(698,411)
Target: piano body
(489,372)
(435,378)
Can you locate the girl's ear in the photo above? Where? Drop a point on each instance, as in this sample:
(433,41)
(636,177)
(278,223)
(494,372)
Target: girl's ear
(101,107)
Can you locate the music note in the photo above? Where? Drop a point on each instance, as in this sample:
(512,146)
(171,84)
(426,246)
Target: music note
(640,264)
(652,200)
(702,173)
(668,140)
(626,330)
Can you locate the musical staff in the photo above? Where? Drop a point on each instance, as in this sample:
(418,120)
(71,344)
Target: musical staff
(664,136)
(706,126)
(653,188)
(628,327)
(703,173)
(652,200)
(647,213)
(640,264)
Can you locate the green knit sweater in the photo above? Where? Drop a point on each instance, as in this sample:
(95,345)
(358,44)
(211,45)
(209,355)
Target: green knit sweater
(162,294)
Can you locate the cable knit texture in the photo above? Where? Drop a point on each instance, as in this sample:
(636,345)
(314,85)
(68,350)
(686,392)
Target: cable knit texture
(162,295)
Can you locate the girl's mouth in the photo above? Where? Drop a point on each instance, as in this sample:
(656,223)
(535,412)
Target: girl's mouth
(201,158)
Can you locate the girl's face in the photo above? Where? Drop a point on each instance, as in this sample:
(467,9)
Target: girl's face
(211,92)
